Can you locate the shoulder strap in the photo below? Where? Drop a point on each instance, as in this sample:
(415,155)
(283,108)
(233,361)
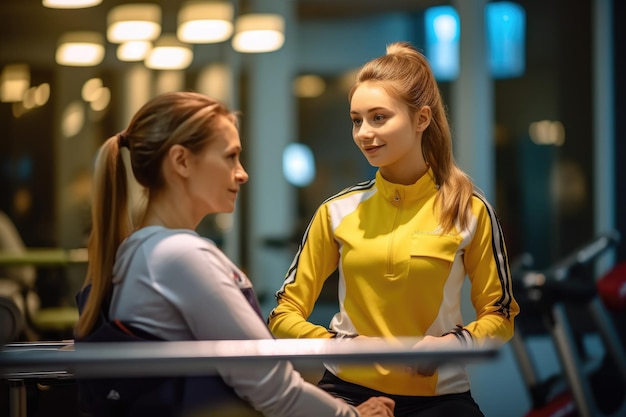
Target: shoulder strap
(133,331)
(110,330)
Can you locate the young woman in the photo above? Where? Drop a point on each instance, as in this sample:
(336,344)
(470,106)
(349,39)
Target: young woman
(403,244)
(163,279)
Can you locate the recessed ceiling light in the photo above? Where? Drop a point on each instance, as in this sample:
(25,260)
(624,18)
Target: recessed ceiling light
(70,4)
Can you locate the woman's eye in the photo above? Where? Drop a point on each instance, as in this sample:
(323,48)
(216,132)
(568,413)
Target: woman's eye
(379,117)
(356,122)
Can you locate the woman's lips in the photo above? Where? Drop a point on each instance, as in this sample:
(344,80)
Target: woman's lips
(371,149)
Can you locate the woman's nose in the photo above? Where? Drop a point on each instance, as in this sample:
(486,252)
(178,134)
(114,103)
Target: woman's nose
(365,134)
(241,175)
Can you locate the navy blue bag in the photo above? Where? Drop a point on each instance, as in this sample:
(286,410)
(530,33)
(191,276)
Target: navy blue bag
(150,396)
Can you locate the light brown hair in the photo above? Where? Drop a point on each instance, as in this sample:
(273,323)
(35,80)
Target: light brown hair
(405,74)
(184,118)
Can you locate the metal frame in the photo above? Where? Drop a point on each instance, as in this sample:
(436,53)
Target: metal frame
(64,360)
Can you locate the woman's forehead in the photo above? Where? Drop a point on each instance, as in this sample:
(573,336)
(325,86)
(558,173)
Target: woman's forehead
(373,95)
(225,134)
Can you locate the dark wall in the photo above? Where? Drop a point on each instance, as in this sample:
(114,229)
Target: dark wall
(27,193)
(545,193)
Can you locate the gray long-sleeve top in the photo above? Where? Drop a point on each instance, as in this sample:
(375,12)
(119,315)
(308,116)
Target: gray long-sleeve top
(178,285)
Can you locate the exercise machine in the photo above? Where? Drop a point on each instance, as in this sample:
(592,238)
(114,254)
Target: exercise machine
(565,297)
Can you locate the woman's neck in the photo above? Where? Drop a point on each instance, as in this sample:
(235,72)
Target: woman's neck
(165,212)
(403,176)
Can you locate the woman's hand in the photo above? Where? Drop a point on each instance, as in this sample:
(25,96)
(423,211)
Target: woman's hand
(377,407)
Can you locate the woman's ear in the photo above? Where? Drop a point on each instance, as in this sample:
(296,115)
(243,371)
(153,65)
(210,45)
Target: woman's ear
(178,159)
(423,116)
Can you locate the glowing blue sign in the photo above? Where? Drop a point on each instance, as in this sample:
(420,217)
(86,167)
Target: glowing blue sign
(505,23)
(442,41)
(506,27)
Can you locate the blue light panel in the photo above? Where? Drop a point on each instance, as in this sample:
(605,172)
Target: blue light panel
(506,29)
(442,41)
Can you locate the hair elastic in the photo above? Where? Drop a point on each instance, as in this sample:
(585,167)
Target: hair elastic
(122,139)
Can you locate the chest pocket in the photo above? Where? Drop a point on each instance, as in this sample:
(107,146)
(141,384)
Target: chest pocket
(440,247)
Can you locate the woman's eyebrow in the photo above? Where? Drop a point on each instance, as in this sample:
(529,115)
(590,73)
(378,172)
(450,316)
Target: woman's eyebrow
(369,110)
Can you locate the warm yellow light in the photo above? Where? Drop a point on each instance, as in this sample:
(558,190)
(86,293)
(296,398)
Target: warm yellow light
(29,98)
(309,86)
(72,119)
(36,96)
(259,33)
(101,100)
(133,50)
(547,132)
(70,4)
(18,109)
(134,22)
(205,21)
(90,89)
(42,94)
(80,49)
(14,81)
(169,54)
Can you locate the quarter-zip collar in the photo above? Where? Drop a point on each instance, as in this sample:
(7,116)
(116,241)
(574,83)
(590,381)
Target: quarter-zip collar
(396,193)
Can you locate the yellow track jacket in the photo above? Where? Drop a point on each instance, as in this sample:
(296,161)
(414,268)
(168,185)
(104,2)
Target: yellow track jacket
(399,276)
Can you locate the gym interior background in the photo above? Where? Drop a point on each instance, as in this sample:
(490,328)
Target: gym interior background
(551,198)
